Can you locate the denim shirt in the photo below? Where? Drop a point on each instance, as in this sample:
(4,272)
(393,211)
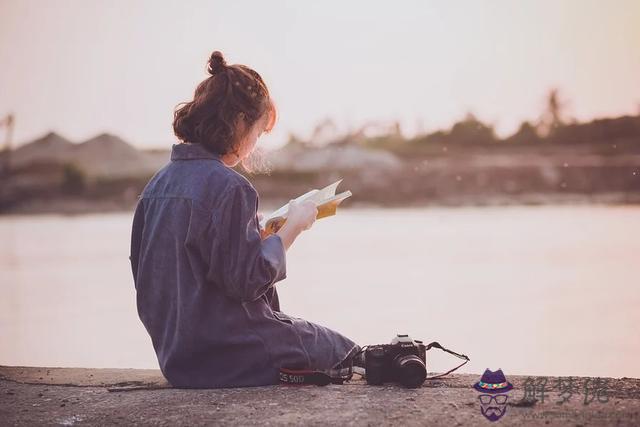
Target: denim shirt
(205,279)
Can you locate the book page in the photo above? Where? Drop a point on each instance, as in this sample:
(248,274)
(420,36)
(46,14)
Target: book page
(326,193)
(328,207)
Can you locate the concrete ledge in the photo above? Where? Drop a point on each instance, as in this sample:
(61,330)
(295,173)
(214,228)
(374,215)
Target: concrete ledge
(114,379)
(67,396)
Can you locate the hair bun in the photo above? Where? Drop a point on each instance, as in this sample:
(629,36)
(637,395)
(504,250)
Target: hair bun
(217,63)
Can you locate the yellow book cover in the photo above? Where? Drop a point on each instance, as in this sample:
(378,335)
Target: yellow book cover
(325,199)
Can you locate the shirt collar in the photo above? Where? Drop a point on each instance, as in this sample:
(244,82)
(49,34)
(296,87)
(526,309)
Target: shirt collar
(190,151)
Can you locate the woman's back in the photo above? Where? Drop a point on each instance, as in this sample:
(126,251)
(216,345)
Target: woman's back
(203,275)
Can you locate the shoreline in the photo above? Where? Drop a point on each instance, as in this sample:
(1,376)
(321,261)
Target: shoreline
(83,206)
(66,396)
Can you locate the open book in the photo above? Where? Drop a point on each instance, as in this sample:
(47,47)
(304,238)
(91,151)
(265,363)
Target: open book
(326,201)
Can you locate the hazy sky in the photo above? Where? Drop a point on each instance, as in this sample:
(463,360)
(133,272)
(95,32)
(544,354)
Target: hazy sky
(84,67)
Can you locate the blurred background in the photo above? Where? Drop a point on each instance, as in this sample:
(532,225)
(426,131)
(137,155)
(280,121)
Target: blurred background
(492,148)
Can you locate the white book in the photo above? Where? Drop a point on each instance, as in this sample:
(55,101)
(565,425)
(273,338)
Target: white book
(325,199)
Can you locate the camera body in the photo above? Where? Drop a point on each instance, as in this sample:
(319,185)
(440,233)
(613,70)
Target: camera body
(403,361)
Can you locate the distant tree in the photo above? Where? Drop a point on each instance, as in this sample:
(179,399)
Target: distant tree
(526,134)
(553,115)
(437,136)
(74,180)
(471,131)
(598,130)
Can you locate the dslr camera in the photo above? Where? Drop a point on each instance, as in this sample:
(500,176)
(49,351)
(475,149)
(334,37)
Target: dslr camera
(403,361)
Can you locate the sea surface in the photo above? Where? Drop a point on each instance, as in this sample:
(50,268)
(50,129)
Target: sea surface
(549,290)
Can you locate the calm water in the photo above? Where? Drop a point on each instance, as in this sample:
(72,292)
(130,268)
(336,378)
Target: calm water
(531,290)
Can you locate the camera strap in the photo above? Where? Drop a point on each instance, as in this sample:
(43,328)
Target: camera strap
(446,350)
(298,377)
(310,377)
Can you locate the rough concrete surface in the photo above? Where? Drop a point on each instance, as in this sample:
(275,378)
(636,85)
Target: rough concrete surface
(69,396)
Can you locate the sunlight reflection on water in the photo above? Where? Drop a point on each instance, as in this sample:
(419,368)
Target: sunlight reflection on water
(551,290)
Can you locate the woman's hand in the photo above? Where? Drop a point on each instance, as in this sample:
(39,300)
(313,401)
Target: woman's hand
(300,217)
(302,214)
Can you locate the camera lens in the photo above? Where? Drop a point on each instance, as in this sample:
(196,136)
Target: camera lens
(410,370)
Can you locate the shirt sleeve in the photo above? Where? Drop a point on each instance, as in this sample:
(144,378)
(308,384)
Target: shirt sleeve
(136,237)
(243,264)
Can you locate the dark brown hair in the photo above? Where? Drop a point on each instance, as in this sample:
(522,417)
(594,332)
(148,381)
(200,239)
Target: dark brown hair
(231,93)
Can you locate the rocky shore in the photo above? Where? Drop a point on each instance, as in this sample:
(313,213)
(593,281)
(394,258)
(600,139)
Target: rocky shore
(105,173)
